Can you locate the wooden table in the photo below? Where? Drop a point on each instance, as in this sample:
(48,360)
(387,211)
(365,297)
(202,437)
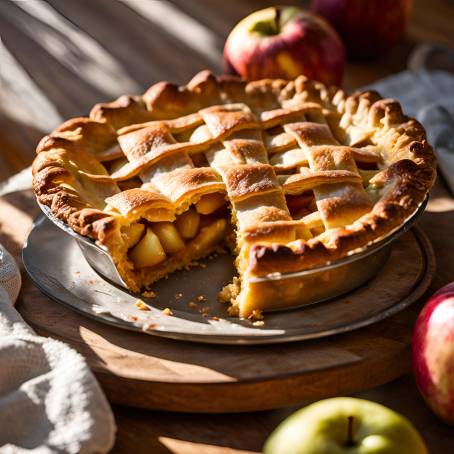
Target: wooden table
(59,57)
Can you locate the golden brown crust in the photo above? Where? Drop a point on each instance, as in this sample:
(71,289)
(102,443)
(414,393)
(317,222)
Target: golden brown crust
(70,178)
(249,179)
(304,181)
(72,198)
(133,199)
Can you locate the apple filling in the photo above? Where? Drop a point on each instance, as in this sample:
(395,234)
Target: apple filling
(203,224)
(303,207)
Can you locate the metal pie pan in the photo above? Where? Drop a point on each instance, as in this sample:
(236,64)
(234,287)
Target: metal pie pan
(99,258)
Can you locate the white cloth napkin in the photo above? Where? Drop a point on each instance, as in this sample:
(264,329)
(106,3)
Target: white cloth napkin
(439,121)
(50,401)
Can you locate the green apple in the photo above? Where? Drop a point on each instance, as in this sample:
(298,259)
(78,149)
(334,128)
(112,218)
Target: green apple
(345,425)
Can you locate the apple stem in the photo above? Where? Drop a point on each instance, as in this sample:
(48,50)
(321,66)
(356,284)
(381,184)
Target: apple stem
(277,19)
(350,441)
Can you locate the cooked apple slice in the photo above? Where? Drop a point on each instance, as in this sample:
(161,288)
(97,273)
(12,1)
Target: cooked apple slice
(188,224)
(210,235)
(168,236)
(133,233)
(210,202)
(148,251)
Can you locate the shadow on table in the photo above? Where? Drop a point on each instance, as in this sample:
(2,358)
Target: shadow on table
(17,145)
(198,433)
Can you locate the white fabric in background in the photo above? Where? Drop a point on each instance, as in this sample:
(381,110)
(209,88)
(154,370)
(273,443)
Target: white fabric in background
(416,90)
(439,122)
(50,401)
(429,97)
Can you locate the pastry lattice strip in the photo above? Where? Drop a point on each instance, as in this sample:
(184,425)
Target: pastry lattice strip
(237,146)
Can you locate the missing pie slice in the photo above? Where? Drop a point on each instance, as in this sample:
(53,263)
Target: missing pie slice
(291,174)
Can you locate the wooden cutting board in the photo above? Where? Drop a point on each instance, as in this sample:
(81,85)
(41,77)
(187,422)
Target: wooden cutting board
(139,370)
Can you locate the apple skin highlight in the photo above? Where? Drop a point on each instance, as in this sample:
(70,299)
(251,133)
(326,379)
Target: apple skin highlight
(303,44)
(433,353)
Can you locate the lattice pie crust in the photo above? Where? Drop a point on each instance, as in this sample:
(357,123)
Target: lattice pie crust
(293,174)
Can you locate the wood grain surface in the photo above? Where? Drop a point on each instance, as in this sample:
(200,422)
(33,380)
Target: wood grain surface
(59,57)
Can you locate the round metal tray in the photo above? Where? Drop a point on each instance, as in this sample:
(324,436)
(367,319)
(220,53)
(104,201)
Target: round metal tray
(58,267)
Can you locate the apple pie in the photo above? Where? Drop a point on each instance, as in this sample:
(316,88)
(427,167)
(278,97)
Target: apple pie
(290,175)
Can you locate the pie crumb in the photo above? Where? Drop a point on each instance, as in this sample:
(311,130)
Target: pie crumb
(224,295)
(192,305)
(141,305)
(167,311)
(258,323)
(256,315)
(149,294)
(201,298)
(230,291)
(205,311)
(178,295)
(150,327)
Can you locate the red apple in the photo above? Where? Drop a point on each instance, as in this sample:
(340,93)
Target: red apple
(368,27)
(285,42)
(433,353)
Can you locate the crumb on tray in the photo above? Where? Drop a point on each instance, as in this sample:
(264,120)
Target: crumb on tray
(141,305)
(149,294)
(150,327)
(256,315)
(205,311)
(230,291)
